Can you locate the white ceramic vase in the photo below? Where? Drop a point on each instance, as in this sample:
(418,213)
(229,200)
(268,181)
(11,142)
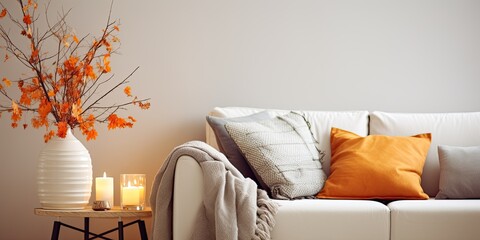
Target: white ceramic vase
(64,174)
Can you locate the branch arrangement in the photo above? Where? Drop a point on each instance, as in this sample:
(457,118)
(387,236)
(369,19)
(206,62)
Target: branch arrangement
(66,87)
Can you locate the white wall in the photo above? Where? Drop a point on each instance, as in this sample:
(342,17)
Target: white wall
(398,56)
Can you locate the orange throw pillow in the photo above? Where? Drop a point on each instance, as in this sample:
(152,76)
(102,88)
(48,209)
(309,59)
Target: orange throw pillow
(376,166)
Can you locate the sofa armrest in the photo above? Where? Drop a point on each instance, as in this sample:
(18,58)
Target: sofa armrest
(187,197)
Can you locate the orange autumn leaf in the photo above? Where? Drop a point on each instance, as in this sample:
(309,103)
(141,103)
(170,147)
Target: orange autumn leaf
(48,136)
(128,91)
(44,108)
(38,122)
(15,108)
(34,56)
(107,45)
(25,126)
(25,99)
(106,63)
(112,121)
(92,135)
(27,19)
(7,82)
(3,13)
(116,28)
(51,93)
(75,39)
(6,58)
(71,63)
(16,113)
(76,111)
(62,129)
(89,72)
(35,81)
(115,39)
(64,107)
(117,122)
(28,33)
(144,106)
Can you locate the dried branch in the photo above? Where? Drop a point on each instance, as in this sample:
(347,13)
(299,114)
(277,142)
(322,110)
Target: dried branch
(60,84)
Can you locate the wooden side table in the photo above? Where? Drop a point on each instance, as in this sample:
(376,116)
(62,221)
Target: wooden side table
(115,212)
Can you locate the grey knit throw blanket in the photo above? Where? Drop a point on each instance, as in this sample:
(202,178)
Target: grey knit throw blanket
(233,209)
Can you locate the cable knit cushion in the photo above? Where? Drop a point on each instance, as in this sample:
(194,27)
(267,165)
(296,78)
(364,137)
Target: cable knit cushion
(228,147)
(376,166)
(282,152)
(459,172)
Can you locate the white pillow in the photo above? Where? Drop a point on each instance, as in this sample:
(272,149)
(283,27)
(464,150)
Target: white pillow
(282,152)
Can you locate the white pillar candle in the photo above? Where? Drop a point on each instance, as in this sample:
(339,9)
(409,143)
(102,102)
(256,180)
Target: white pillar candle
(104,189)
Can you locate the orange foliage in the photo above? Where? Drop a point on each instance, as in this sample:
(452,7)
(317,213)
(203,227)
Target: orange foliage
(48,136)
(71,63)
(90,72)
(16,114)
(27,19)
(7,82)
(106,63)
(144,105)
(128,91)
(62,129)
(117,122)
(67,94)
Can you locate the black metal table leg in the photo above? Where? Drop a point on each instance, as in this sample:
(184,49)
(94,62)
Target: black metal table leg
(142,229)
(120,229)
(56,230)
(86,232)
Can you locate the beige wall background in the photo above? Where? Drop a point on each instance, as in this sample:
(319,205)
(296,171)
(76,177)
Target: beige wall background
(397,56)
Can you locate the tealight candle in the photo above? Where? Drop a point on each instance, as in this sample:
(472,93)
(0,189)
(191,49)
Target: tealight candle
(104,189)
(132,191)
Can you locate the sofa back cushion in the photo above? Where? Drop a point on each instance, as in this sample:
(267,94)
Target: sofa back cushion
(454,129)
(321,124)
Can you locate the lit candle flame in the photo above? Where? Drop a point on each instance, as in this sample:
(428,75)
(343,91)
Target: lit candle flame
(104,174)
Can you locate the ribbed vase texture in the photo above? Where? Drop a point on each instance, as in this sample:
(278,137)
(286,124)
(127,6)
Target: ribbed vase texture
(64,174)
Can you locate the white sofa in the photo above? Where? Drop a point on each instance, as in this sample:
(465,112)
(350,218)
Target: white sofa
(356,219)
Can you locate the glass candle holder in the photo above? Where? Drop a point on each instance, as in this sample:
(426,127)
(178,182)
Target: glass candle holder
(132,191)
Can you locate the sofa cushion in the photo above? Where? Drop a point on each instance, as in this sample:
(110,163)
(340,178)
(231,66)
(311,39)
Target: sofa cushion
(313,219)
(228,147)
(283,154)
(321,123)
(435,219)
(454,129)
(459,172)
(376,166)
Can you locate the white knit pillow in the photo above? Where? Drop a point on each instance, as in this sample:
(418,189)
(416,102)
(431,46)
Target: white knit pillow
(282,152)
